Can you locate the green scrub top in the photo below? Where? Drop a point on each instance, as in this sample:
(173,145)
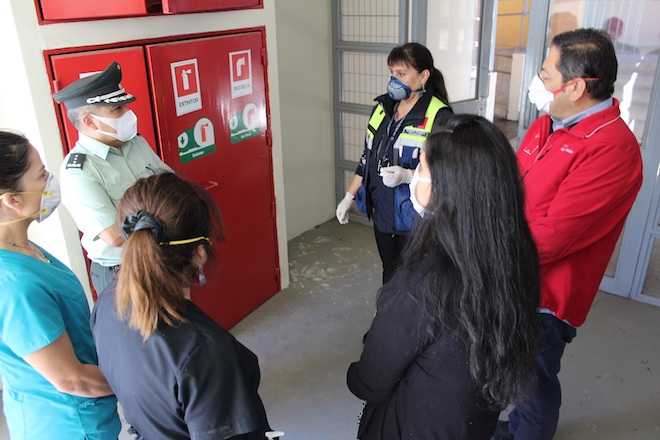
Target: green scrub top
(40,301)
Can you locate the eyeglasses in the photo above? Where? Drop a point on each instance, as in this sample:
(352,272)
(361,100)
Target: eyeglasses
(585,78)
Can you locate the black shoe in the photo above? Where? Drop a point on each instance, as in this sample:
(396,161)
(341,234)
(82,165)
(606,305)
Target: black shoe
(502,431)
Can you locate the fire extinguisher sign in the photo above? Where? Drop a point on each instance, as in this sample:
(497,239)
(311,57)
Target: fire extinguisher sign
(197,142)
(240,71)
(185,82)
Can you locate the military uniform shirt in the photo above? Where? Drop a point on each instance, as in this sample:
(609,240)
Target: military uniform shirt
(91,192)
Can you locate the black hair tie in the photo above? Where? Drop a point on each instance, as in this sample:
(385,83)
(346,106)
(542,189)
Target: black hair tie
(141,221)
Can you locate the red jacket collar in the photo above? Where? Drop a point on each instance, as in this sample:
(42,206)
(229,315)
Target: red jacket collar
(589,125)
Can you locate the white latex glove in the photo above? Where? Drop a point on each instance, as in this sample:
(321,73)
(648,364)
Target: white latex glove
(343,207)
(395,176)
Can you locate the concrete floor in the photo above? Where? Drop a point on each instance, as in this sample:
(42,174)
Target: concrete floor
(307,335)
(611,375)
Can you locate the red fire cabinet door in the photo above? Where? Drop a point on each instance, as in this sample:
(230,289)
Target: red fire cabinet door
(71,10)
(70,67)
(179,6)
(210,101)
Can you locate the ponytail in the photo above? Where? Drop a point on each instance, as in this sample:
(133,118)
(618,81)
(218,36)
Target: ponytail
(436,84)
(147,288)
(166,220)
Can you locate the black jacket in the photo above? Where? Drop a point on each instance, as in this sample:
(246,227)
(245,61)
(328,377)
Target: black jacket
(190,380)
(415,381)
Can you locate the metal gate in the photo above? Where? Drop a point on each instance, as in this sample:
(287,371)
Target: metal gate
(365,31)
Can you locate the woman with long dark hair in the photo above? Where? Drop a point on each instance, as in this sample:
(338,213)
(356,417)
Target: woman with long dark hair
(416,102)
(452,342)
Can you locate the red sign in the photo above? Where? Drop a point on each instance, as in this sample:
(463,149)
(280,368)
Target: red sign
(186,79)
(240,64)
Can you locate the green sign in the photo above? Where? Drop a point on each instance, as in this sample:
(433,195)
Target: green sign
(197,142)
(246,123)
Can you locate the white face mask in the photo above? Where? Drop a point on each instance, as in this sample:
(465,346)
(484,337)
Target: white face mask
(50,199)
(413,188)
(125,126)
(539,95)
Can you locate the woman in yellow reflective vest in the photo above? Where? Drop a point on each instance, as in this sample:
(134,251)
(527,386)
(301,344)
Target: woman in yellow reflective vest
(415,104)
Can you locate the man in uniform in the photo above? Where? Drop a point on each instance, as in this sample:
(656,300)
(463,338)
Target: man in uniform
(108,158)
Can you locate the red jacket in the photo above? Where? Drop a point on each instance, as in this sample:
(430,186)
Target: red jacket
(580,183)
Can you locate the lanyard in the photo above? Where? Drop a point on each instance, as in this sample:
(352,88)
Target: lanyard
(384,161)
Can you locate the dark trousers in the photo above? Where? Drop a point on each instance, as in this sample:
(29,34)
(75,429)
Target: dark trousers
(536,418)
(390,247)
(102,276)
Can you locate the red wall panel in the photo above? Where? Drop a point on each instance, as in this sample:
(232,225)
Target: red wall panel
(180,6)
(68,10)
(211,113)
(68,68)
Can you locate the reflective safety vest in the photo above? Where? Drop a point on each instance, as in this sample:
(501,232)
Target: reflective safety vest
(412,138)
(407,148)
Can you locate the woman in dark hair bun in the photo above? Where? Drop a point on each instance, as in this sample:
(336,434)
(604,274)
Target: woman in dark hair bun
(416,103)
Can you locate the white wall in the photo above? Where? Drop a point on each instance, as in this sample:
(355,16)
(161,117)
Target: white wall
(304,40)
(450,32)
(26,103)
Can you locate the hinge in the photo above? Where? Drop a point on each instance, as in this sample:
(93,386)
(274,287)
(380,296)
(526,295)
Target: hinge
(269,138)
(483,106)
(264,57)
(278,277)
(273,209)
(56,85)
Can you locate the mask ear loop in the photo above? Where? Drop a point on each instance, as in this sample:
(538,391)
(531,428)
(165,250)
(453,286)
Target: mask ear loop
(10,222)
(40,211)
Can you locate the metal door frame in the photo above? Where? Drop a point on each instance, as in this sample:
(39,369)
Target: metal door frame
(538,19)
(339,46)
(642,222)
(486,63)
(642,225)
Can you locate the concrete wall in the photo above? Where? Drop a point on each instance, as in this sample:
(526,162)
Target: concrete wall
(304,42)
(26,102)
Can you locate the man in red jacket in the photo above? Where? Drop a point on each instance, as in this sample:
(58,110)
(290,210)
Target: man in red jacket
(582,169)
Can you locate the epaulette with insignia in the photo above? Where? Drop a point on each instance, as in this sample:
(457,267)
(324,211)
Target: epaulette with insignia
(76,161)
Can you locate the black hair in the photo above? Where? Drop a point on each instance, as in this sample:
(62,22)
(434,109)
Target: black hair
(419,57)
(14,160)
(480,262)
(588,53)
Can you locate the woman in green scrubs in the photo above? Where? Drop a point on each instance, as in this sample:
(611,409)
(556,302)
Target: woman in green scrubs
(53,388)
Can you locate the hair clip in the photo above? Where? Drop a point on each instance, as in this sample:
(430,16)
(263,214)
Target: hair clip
(143,221)
(187,241)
